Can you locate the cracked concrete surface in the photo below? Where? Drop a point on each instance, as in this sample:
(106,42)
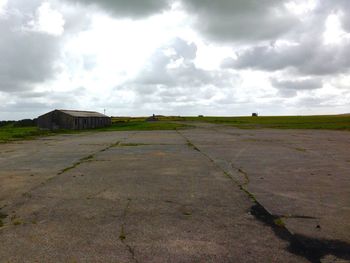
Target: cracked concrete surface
(152,198)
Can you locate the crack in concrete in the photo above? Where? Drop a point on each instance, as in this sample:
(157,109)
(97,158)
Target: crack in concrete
(2,217)
(227,174)
(311,249)
(76,164)
(92,196)
(243,173)
(88,158)
(27,195)
(122,235)
(297,216)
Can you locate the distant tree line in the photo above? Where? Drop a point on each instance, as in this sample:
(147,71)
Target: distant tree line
(5,123)
(20,123)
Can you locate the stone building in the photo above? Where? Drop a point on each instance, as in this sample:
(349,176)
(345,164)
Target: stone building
(73,120)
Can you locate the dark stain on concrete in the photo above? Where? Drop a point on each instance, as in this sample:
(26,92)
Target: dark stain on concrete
(2,217)
(311,248)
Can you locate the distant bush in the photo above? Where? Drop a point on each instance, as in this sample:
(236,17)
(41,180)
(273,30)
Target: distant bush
(25,123)
(5,123)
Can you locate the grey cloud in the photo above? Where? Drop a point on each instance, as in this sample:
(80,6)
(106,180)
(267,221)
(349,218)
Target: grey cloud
(30,94)
(23,8)
(30,58)
(159,71)
(172,77)
(335,6)
(31,99)
(310,57)
(269,58)
(77,19)
(290,88)
(26,106)
(305,84)
(129,8)
(184,49)
(242,20)
(250,21)
(27,58)
(313,102)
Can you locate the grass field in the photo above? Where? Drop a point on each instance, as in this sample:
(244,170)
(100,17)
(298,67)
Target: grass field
(140,125)
(327,122)
(12,133)
(335,122)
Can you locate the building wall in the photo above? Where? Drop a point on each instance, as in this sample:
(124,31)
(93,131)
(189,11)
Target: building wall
(44,121)
(91,122)
(55,120)
(59,120)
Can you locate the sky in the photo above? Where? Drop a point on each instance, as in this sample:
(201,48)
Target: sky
(174,57)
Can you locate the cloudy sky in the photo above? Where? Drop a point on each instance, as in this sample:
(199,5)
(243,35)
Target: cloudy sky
(174,57)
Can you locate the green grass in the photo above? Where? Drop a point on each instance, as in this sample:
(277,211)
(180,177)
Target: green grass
(329,122)
(132,144)
(335,122)
(11,133)
(2,216)
(279,222)
(139,125)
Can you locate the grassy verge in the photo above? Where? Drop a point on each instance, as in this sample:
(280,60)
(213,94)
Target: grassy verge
(143,126)
(335,122)
(11,133)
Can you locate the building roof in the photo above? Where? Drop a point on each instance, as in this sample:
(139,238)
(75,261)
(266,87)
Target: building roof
(76,113)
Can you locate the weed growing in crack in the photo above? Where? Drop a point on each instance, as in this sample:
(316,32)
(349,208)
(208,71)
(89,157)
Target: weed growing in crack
(87,158)
(251,196)
(122,237)
(279,222)
(2,217)
(132,144)
(300,149)
(16,221)
(191,145)
(82,160)
(68,168)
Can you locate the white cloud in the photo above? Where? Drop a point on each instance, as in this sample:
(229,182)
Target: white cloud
(302,7)
(3,4)
(174,56)
(47,20)
(334,32)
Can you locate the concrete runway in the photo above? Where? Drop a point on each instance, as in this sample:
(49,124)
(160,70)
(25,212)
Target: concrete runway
(207,194)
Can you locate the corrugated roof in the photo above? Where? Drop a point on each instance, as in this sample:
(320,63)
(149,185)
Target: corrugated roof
(77,113)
